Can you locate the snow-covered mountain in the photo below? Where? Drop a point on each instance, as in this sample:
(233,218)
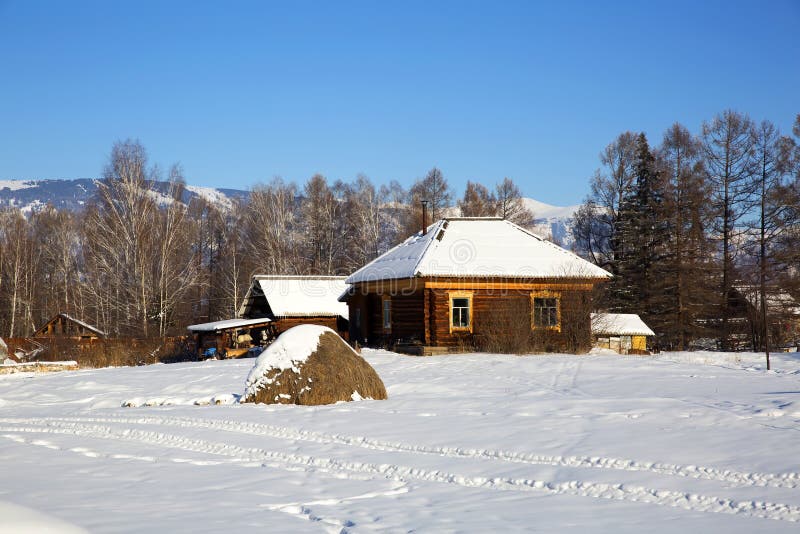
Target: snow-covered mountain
(553,222)
(73,195)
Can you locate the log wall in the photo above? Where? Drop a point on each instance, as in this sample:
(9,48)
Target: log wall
(497,310)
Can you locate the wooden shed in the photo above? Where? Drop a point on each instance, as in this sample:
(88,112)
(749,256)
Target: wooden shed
(624,333)
(273,304)
(63,325)
(746,321)
(232,337)
(293,300)
(462,280)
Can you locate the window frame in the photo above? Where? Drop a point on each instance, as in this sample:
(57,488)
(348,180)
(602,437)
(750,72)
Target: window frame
(386,319)
(556,295)
(452,296)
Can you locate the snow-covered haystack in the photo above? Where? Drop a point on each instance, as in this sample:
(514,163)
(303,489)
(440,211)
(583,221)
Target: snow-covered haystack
(311,365)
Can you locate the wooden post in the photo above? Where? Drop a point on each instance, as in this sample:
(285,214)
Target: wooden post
(427,314)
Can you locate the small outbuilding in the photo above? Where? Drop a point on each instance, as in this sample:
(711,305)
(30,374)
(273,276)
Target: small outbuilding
(624,333)
(232,337)
(272,305)
(294,300)
(63,325)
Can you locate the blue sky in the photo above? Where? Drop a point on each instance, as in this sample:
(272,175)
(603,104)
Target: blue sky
(239,92)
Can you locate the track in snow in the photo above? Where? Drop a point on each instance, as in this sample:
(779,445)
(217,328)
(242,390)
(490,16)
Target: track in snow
(359,470)
(739,478)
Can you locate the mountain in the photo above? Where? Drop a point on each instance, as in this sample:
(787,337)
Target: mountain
(73,195)
(553,222)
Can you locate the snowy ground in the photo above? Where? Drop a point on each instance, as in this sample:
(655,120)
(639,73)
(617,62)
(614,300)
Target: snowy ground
(697,442)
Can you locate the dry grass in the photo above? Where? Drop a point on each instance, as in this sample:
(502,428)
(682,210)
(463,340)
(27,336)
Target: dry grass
(331,374)
(507,330)
(106,352)
(38,367)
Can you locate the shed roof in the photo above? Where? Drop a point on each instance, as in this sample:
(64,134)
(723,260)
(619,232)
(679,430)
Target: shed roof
(477,247)
(302,296)
(75,321)
(620,324)
(226,324)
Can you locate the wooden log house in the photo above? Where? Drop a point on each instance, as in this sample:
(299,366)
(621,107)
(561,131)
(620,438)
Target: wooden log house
(462,279)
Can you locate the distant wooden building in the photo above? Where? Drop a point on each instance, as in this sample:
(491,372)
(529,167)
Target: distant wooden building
(624,333)
(272,305)
(462,280)
(746,320)
(63,325)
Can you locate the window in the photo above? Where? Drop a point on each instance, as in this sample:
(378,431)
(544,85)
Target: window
(460,312)
(387,314)
(545,312)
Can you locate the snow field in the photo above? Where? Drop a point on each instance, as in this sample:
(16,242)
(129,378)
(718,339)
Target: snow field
(464,443)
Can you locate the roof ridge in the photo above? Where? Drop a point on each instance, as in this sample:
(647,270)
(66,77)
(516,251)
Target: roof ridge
(549,243)
(431,239)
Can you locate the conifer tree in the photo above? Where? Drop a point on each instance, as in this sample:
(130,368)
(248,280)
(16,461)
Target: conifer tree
(728,149)
(640,237)
(684,210)
(601,223)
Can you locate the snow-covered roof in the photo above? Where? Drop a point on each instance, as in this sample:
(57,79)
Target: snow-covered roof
(477,247)
(83,325)
(298,296)
(226,324)
(620,324)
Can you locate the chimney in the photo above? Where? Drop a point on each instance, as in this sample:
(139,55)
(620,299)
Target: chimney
(424,217)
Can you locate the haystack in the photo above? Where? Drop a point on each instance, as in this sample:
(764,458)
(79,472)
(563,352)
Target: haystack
(311,365)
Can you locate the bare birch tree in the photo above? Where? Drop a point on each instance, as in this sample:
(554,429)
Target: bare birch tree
(510,205)
(121,238)
(270,228)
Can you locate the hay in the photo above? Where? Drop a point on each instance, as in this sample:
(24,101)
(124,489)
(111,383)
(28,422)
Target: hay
(37,367)
(333,372)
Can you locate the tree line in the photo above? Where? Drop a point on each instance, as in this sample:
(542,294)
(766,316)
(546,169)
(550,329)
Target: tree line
(691,225)
(682,226)
(138,263)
